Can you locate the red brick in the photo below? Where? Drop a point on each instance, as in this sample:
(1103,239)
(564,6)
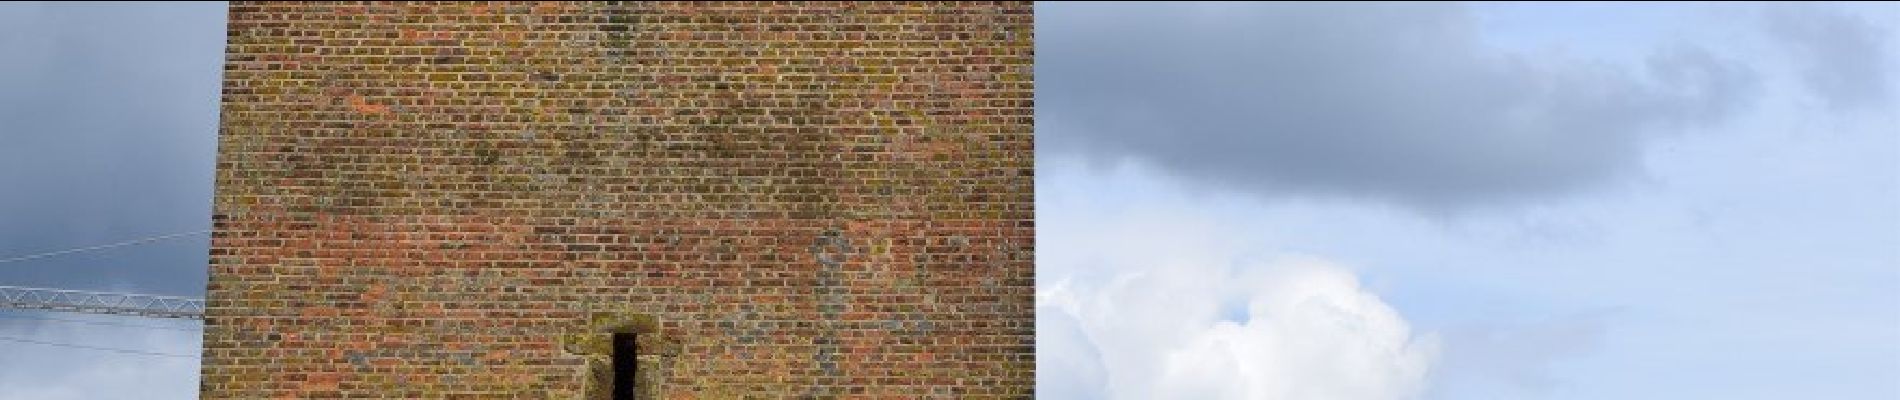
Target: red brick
(444,200)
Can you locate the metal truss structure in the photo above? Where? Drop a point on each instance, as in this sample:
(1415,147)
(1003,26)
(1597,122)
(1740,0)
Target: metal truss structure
(101,303)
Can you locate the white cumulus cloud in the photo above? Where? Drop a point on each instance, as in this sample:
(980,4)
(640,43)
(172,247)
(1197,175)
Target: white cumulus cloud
(1171,307)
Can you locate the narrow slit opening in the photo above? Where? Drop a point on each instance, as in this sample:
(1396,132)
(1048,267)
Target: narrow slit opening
(626,365)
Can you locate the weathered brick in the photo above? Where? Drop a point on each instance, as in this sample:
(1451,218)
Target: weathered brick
(785,199)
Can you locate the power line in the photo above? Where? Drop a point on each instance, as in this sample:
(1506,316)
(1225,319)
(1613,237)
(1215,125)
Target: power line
(76,346)
(99,323)
(101,247)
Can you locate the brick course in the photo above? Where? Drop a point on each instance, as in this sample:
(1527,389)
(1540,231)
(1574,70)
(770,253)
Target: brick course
(459,200)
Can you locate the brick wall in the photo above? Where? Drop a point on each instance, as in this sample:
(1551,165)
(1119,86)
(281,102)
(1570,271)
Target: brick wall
(461,200)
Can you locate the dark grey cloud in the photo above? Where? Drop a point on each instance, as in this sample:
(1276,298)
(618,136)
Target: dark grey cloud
(1845,60)
(108,132)
(1395,102)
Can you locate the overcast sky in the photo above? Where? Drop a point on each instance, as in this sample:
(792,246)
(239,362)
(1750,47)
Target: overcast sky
(108,132)
(1487,201)
(1245,201)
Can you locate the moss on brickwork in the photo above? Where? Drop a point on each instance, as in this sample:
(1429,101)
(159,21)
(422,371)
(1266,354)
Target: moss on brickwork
(466,199)
(593,342)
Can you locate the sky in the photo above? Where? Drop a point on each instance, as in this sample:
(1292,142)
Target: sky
(108,133)
(1235,200)
(1468,201)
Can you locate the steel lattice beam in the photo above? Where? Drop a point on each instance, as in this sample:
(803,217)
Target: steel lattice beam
(101,303)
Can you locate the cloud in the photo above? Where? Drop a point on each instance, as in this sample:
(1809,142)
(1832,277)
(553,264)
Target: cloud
(1844,59)
(1395,102)
(108,129)
(1164,307)
(41,372)
(108,132)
